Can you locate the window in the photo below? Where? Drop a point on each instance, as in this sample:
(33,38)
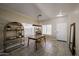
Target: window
(28,29)
(47,29)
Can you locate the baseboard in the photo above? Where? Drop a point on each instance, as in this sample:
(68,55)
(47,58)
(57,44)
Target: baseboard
(61,40)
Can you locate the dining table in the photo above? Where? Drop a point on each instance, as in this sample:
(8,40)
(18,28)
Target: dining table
(37,38)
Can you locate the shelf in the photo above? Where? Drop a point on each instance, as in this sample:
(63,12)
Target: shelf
(13,38)
(10,41)
(9,49)
(15,30)
(8,44)
(14,34)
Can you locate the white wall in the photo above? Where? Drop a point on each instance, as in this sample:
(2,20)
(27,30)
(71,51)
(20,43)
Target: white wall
(74,17)
(2,23)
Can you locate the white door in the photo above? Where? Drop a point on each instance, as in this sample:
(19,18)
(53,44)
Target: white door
(61,31)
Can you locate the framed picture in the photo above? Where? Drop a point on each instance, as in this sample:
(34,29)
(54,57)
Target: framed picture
(72,39)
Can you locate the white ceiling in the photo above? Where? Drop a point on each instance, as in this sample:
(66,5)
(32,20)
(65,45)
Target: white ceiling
(48,10)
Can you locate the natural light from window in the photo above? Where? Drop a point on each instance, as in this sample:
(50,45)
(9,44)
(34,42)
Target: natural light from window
(28,29)
(47,29)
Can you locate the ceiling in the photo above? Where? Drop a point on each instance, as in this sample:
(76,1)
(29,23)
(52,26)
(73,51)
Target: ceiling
(47,10)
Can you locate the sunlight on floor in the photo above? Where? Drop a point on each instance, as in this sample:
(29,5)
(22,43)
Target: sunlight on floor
(48,45)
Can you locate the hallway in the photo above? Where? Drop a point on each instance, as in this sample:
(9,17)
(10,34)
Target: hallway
(52,48)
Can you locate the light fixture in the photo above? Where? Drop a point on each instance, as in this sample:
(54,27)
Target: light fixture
(38,18)
(38,21)
(60,14)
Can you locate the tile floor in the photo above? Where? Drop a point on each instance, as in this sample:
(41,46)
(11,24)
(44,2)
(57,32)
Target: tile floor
(51,48)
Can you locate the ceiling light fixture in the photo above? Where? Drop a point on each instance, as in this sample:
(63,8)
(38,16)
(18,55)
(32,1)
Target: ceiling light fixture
(38,21)
(38,18)
(60,14)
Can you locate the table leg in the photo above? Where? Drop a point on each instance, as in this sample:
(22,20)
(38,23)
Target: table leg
(28,41)
(36,44)
(45,40)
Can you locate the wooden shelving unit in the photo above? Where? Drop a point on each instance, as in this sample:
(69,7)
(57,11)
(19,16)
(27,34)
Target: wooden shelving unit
(13,36)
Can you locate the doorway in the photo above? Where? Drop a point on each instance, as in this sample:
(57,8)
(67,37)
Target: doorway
(61,31)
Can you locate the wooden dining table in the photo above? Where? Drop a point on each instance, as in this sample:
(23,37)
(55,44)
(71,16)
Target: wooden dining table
(37,38)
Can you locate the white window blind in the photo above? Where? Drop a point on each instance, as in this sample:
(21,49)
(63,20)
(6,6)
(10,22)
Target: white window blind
(47,29)
(28,29)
